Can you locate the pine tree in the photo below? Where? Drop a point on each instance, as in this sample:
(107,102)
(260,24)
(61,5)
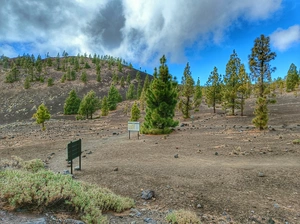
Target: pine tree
(120,66)
(259,63)
(50,82)
(128,79)
(146,83)
(42,114)
(89,104)
(115,78)
(63,78)
(213,89)
(84,77)
(143,99)
(198,94)
(135,112)
(139,90)
(76,65)
(73,75)
(72,103)
(122,82)
(231,83)
(13,74)
(130,92)
(292,78)
(261,113)
(113,98)
(161,102)
(187,92)
(98,78)
(27,82)
(104,107)
(244,89)
(98,69)
(86,65)
(138,76)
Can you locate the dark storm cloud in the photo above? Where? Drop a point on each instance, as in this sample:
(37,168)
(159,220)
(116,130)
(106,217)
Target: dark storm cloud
(133,29)
(105,28)
(37,14)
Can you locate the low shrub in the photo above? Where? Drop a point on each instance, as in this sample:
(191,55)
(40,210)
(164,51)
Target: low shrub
(296,141)
(182,217)
(39,189)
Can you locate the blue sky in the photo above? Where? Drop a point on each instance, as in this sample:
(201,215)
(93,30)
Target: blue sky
(201,32)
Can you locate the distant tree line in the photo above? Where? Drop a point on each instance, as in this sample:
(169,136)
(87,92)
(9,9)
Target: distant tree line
(161,95)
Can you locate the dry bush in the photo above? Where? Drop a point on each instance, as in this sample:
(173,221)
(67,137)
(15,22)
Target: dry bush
(182,217)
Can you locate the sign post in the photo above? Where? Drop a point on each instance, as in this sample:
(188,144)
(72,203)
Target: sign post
(74,151)
(134,126)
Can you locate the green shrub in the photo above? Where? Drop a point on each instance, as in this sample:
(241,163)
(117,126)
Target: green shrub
(34,165)
(296,141)
(44,189)
(182,217)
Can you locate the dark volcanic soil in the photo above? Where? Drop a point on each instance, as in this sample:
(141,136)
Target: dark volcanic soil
(226,169)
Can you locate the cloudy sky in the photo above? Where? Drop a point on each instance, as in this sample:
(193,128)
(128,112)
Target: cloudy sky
(201,32)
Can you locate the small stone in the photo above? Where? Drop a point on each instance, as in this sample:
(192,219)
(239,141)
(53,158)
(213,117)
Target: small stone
(66,172)
(90,152)
(77,168)
(276,206)
(271,221)
(199,206)
(147,194)
(176,156)
(149,220)
(116,169)
(261,174)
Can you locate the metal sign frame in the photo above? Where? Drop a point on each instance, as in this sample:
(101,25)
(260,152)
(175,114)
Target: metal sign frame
(74,151)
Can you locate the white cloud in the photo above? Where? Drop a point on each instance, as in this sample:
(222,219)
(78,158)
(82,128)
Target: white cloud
(285,39)
(137,30)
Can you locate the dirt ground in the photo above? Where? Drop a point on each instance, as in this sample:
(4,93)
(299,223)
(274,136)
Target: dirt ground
(226,170)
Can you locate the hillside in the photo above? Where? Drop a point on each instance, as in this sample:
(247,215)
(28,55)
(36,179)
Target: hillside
(18,103)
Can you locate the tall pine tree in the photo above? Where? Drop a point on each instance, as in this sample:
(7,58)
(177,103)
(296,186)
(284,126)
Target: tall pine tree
(292,78)
(198,94)
(72,103)
(259,63)
(213,89)
(161,102)
(89,104)
(187,92)
(244,89)
(231,83)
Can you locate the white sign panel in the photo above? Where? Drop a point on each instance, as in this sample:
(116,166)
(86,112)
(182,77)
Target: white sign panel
(133,126)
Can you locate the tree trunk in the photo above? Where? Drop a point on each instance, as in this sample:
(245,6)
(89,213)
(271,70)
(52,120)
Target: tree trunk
(242,106)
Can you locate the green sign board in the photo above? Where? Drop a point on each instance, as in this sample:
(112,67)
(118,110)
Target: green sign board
(74,150)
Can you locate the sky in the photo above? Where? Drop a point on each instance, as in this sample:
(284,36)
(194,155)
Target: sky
(201,32)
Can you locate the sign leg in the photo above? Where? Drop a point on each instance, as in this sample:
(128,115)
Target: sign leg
(71,166)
